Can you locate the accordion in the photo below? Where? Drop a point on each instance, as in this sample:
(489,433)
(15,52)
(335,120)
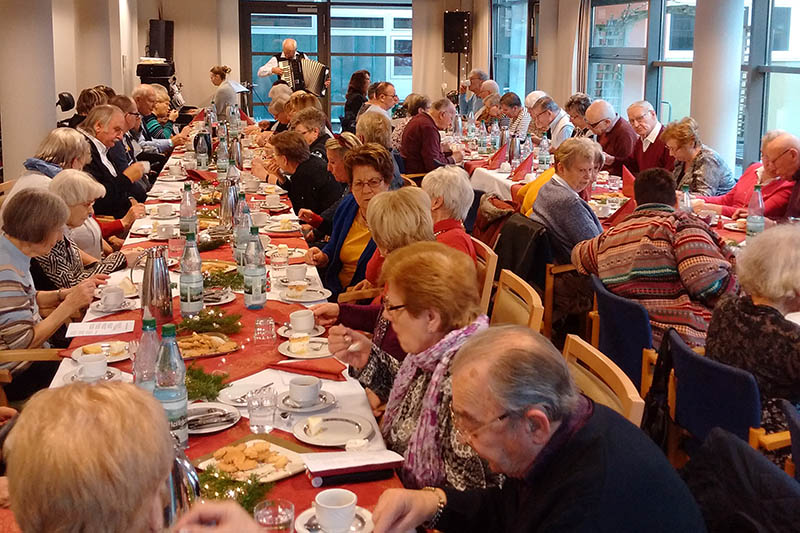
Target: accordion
(305,74)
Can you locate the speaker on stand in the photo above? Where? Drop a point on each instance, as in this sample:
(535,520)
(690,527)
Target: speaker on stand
(457,35)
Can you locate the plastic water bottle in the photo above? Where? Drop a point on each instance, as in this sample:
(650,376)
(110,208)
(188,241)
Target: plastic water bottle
(144,363)
(755,213)
(527,147)
(255,273)
(202,153)
(494,136)
(170,387)
(472,131)
(483,138)
(188,211)
(544,152)
(241,232)
(191,280)
(222,156)
(685,203)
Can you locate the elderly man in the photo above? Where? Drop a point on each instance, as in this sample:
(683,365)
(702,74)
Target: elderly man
(782,158)
(289,48)
(667,260)
(103,127)
(552,120)
(649,150)
(573,465)
(146,98)
(421,145)
(614,134)
(489,87)
(385,99)
(473,103)
(511,106)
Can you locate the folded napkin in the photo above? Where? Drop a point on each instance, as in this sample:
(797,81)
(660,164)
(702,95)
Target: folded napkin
(493,163)
(328,368)
(524,168)
(201,175)
(626,209)
(627,182)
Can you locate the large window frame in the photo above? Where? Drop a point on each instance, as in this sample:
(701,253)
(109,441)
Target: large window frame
(531,55)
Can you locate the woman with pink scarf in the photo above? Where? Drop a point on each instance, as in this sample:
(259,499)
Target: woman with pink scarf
(432,301)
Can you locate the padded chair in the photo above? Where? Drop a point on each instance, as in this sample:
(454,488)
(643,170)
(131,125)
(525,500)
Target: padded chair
(624,333)
(16,356)
(601,380)
(486,266)
(515,302)
(793,419)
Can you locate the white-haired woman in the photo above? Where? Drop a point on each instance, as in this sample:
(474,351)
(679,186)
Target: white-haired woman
(66,264)
(752,331)
(451,198)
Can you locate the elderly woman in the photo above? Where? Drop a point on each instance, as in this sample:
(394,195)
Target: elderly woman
(774,190)
(33,222)
(66,264)
(88,98)
(377,128)
(414,103)
(490,110)
(576,108)
(696,165)
(335,150)
(751,331)
(225,95)
(451,199)
(431,301)
(369,172)
(160,124)
(559,207)
(110,476)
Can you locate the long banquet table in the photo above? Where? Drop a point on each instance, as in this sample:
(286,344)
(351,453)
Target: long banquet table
(252,365)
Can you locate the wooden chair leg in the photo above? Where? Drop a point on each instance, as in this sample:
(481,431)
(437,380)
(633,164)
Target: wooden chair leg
(549,287)
(789,467)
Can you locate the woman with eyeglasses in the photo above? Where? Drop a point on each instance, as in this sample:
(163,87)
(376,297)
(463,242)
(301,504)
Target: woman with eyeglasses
(369,170)
(696,165)
(432,303)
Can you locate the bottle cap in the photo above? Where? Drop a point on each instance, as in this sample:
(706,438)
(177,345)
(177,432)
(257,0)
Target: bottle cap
(168,330)
(187,186)
(190,236)
(149,324)
(253,230)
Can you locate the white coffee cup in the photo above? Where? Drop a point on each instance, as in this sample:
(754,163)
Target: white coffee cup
(603,210)
(272,200)
(146,165)
(304,390)
(164,210)
(296,272)
(190,164)
(112,297)
(335,510)
(175,169)
(259,218)
(92,366)
(302,321)
(251,185)
(165,231)
(603,175)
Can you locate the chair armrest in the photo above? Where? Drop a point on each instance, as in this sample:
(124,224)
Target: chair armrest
(5,377)
(560,269)
(363,294)
(33,354)
(699,350)
(649,357)
(759,438)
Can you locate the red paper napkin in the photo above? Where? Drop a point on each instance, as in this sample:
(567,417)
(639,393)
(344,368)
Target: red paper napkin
(524,168)
(498,157)
(328,368)
(201,175)
(627,182)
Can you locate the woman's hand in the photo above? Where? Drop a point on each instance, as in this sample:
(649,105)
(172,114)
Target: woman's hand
(106,247)
(173,115)
(98,279)
(136,211)
(326,314)
(80,296)
(349,346)
(258,169)
(362,285)
(315,256)
(306,215)
(219,517)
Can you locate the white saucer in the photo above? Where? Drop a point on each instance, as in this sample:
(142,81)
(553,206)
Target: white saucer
(326,399)
(286,331)
(155,237)
(361,524)
(98,292)
(274,227)
(294,253)
(172,177)
(228,298)
(310,295)
(77,352)
(335,430)
(126,305)
(112,374)
(280,207)
(318,349)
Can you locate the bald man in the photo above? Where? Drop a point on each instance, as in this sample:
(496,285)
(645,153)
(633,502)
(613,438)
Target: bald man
(289,52)
(614,134)
(781,157)
(649,150)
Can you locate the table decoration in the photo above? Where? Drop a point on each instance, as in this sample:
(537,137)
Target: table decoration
(200,385)
(216,485)
(211,320)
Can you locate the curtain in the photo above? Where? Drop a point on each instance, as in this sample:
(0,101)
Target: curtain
(584,38)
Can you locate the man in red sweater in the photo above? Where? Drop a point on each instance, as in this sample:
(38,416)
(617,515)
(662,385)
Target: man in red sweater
(614,134)
(421,146)
(649,150)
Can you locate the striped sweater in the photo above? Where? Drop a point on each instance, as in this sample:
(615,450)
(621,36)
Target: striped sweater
(18,309)
(669,261)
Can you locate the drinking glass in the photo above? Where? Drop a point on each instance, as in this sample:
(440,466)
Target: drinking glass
(176,247)
(261,405)
(278,261)
(275,515)
(264,332)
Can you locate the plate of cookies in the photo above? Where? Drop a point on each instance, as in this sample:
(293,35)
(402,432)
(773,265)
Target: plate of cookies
(212,344)
(268,461)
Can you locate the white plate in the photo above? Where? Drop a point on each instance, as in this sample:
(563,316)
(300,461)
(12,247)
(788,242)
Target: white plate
(77,352)
(156,216)
(336,430)
(733,227)
(361,524)
(266,472)
(275,227)
(286,331)
(155,237)
(294,253)
(228,298)
(280,207)
(317,349)
(126,305)
(285,281)
(326,399)
(311,295)
(143,230)
(112,374)
(227,394)
(278,190)
(171,177)
(213,405)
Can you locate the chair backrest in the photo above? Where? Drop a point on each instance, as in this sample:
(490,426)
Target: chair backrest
(711,394)
(486,265)
(601,380)
(401,163)
(516,302)
(524,248)
(469,222)
(363,294)
(793,419)
(4,188)
(624,330)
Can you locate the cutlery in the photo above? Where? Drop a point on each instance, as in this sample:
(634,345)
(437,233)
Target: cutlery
(243,397)
(211,421)
(202,411)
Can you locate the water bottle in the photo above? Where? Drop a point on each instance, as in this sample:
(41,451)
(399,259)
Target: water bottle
(544,152)
(170,387)
(472,131)
(483,138)
(755,213)
(255,273)
(202,150)
(686,200)
(191,280)
(188,219)
(494,136)
(527,147)
(222,156)
(241,232)
(144,362)
(235,152)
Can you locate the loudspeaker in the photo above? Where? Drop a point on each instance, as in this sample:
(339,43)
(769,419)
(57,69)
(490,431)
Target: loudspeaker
(161,37)
(457,31)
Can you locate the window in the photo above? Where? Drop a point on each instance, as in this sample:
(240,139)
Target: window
(513,52)
(781,23)
(681,32)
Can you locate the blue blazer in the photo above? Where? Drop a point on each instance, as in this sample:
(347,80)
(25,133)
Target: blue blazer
(342,220)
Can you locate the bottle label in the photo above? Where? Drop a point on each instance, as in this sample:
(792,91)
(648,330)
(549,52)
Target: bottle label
(176,417)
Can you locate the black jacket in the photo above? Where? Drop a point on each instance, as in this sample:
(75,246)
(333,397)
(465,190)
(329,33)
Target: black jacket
(311,187)
(607,477)
(317,148)
(115,203)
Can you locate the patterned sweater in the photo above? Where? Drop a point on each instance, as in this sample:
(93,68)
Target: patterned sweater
(706,175)
(62,268)
(669,261)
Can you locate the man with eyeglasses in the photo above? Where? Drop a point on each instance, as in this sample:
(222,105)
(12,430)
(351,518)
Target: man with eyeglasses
(551,119)
(421,145)
(386,97)
(614,134)
(649,150)
(473,84)
(573,465)
(782,158)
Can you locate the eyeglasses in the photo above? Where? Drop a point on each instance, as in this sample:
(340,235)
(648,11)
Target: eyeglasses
(467,435)
(373,184)
(392,96)
(640,118)
(301,132)
(593,124)
(134,114)
(782,154)
(536,117)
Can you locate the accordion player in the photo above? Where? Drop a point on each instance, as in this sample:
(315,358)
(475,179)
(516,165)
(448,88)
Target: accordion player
(305,74)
